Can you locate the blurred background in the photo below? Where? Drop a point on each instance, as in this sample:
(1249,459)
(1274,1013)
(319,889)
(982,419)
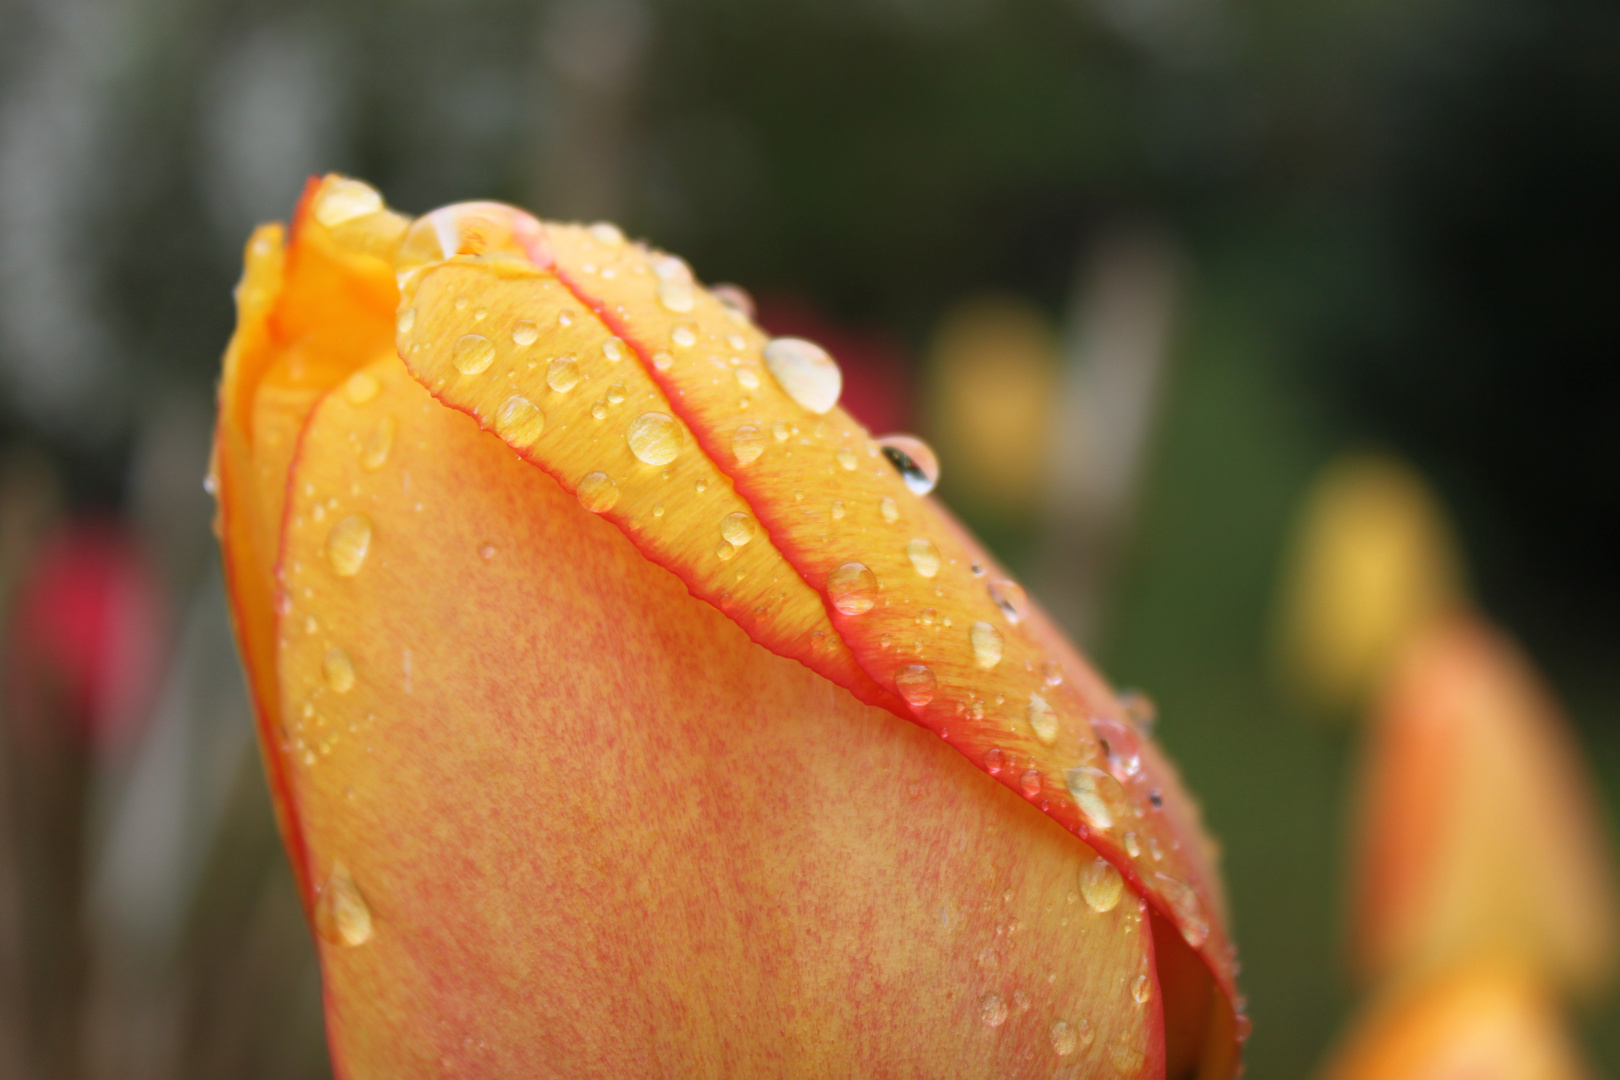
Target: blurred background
(1139,269)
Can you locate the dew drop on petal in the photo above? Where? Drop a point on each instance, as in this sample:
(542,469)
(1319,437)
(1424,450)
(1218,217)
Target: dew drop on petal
(341,914)
(684,335)
(361,387)
(562,374)
(838,510)
(1030,782)
(677,296)
(1142,989)
(1101,885)
(1064,1039)
(1133,845)
(525,332)
(924,556)
(338,670)
(748,378)
(889,509)
(747,443)
(519,421)
(994,761)
(473,353)
(993,1009)
(605,232)
(737,528)
(724,551)
(736,300)
(1042,720)
(1139,709)
(375,454)
(598,492)
(913,459)
(662,359)
(987,645)
(405,320)
(345,200)
(1097,794)
(846,458)
(852,588)
(1187,908)
(613,349)
(655,438)
(1010,598)
(805,372)
(347,544)
(916,683)
(1120,745)
(1052,673)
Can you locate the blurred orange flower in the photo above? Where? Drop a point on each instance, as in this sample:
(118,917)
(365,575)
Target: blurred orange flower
(581,623)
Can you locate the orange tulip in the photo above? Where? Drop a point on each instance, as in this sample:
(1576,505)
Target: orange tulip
(581,626)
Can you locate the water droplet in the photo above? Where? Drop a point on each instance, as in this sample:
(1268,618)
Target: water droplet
(605,232)
(684,335)
(345,200)
(781,431)
(1097,794)
(846,457)
(1133,845)
(1139,709)
(1101,885)
(890,511)
(347,544)
(599,410)
(405,320)
(1042,720)
(1031,783)
(525,332)
(565,317)
(724,551)
(924,558)
(1119,745)
(1052,673)
(993,1009)
(519,421)
(616,394)
(562,374)
(994,761)
(677,296)
(655,438)
(1187,908)
(361,387)
(1010,598)
(987,644)
(805,372)
(662,359)
(748,378)
(338,670)
(1142,989)
(736,300)
(838,510)
(914,460)
(598,492)
(1064,1039)
(916,684)
(613,349)
(852,588)
(738,529)
(381,442)
(747,443)
(486,551)
(473,354)
(341,914)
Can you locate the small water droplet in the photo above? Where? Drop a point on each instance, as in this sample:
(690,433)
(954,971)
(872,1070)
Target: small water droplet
(781,431)
(684,335)
(670,267)
(361,387)
(615,394)
(846,457)
(599,410)
(605,232)
(993,1009)
(525,332)
(738,529)
(405,320)
(916,683)
(1101,884)
(655,438)
(1030,782)
(519,421)
(338,670)
(838,510)
(1052,673)
(1142,989)
(1133,845)
(1042,720)
(914,460)
(678,296)
(562,374)
(747,443)
(598,492)
(724,551)
(565,317)
(1010,598)
(748,378)
(924,556)
(473,353)
(341,914)
(994,761)
(1064,1038)
(345,200)
(889,509)
(1097,794)
(987,645)
(852,588)
(613,349)
(737,302)
(805,372)
(1119,745)
(375,455)
(486,551)
(347,544)
(1187,908)
(1140,710)
(662,359)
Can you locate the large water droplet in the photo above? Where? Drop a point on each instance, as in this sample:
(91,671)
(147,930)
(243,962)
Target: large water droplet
(805,372)
(1101,885)
(1064,1038)
(347,544)
(747,443)
(987,645)
(361,387)
(1010,598)
(341,914)
(916,684)
(597,492)
(924,556)
(345,200)
(338,670)
(1119,745)
(852,588)
(738,529)
(525,333)
(472,354)
(562,374)
(1187,908)
(993,1009)
(519,421)
(1042,720)
(914,460)
(655,438)
(1097,794)
(375,455)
